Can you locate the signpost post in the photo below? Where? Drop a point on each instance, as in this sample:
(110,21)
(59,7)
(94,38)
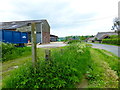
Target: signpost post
(34,54)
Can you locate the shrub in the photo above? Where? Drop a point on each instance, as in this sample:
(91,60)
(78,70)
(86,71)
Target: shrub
(113,36)
(111,41)
(63,71)
(10,52)
(73,41)
(114,39)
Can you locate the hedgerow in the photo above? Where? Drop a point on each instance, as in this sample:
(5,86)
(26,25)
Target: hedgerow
(114,39)
(111,41)
(64,70)
(9,51)
(73,41)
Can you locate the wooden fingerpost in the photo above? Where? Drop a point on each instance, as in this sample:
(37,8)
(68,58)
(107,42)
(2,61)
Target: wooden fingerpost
(33,35)
(47,54)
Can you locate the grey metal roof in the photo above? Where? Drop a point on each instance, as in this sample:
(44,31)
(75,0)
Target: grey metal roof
(90,39)
(18,24)
(12,26)
(101,35)
(53,35)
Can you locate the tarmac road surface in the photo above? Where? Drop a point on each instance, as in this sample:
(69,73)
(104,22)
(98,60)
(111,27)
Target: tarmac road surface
(111,48)
(52,45)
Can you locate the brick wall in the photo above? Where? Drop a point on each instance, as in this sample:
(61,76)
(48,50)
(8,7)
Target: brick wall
(45,37)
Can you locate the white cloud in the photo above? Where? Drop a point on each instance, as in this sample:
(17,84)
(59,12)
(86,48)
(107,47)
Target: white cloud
(66,17)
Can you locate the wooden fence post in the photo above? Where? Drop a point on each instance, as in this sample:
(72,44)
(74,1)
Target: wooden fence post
(33,35)
(47,54)
(61,51)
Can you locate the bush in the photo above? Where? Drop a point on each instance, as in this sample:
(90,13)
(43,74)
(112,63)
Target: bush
(73,41)
(113,36)
(10,52)
(114,39)
(63,71)
(111,41)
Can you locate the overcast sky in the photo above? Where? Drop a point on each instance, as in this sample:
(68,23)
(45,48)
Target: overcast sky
(66,17)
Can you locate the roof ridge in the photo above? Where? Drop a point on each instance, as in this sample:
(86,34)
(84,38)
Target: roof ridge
(23,21)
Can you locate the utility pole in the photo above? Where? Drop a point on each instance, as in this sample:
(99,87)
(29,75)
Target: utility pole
(119,17)
(41,33)
(119,9)
(34,54)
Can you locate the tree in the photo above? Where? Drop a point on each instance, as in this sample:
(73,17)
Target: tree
(116,24)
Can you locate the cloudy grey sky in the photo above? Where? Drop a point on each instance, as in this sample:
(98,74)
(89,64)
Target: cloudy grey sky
(66,17)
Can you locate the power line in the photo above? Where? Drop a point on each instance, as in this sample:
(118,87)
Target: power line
(88,20)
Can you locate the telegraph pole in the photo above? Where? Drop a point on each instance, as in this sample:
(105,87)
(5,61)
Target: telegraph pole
(119,9)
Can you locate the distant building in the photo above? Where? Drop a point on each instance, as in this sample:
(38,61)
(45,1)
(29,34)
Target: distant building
(42,29)
(91,39)
(53,38)
(103,35)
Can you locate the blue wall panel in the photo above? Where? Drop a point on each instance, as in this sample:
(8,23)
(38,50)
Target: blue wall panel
(14,36)
(0,35)
(7,36)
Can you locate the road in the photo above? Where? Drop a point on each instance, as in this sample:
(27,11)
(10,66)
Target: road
(52,45)
(111,48)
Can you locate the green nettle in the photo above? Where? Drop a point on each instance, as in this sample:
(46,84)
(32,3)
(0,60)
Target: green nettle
(9,51)
(63,71)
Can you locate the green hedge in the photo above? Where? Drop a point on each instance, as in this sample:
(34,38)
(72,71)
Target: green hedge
(115,41)
(73,41)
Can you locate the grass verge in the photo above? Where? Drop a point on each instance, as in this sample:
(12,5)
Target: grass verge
(103,72)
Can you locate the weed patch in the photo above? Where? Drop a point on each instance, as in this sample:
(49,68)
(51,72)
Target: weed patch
(10,52)
(63,71)
(101,73)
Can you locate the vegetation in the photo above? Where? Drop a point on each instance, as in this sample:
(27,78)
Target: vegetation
(9,65)
(67,67)
(112,40)
(103,72)
(77,37)
(73,41)
(9,51)
(116,25)
(64,70)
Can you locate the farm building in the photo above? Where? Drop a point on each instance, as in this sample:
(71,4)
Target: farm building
(90,39)
(53,38)
(42,29)
(103,35)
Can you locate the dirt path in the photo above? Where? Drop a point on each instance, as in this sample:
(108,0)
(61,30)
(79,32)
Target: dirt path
(107,78)
(13,64)
(83,84)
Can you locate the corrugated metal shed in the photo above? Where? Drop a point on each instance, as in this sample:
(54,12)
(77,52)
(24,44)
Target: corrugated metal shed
(101,35)
(42,28)
(19,24)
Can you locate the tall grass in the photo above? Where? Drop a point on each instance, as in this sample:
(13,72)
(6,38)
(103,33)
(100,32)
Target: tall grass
(102,72)
(64,70)
(112,60)
(10,52)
